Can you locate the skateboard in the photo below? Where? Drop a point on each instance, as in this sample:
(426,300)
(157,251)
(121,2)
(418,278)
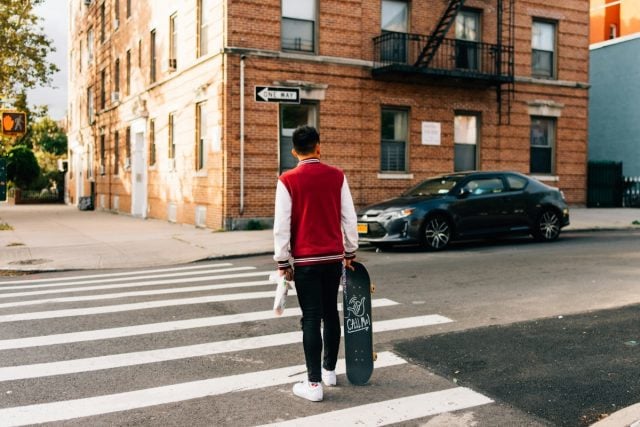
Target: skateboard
(358,334)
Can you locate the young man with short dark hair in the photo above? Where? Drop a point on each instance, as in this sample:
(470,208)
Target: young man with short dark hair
(315,225)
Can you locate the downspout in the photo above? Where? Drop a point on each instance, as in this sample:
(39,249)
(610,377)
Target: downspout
(242,134)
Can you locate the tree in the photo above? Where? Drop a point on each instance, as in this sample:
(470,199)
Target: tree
(22,166)
(23,48)
(47,136)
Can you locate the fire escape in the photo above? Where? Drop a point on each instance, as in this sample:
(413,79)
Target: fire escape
(456,61)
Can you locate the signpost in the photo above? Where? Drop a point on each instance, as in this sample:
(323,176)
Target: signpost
(289,95)
(3,179)
(13,123)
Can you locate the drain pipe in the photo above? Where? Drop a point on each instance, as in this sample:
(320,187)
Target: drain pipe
(242,134)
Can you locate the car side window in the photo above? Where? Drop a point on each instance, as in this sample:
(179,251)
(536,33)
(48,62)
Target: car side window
(484,186)
(516,183)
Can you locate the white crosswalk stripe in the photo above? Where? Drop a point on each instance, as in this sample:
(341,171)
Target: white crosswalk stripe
(75,342)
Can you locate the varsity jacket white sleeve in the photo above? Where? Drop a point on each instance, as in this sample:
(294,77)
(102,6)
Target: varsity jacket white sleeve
(282,226)
(349,221)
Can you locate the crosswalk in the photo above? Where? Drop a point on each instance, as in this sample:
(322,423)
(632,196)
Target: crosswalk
(193,344)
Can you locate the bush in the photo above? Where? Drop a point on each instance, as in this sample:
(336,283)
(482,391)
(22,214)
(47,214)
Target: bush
(22,166)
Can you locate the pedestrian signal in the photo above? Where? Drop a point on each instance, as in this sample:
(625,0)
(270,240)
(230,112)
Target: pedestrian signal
(14,123)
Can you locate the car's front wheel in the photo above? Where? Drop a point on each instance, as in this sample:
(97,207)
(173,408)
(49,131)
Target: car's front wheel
(547,227)
(436,233)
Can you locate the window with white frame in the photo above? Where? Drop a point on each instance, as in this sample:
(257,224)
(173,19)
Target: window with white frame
(299,25)
(543,46)
(465,136)
(543,141)
(202,27)
(201,135)
(394,134)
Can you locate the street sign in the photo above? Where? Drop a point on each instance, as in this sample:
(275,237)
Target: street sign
(289,95)
(13,123)
(3,179)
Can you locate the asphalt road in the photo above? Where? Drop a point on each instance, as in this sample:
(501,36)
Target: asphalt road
(201,346)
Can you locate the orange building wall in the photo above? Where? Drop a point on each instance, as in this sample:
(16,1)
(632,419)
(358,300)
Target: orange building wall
(624,14)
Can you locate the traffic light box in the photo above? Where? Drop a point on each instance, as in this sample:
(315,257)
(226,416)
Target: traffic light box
(3,179)
(13,123)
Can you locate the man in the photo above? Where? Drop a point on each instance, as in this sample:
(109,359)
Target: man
(315,224)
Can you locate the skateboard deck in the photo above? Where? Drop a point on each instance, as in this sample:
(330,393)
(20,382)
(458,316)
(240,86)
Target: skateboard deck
(358,335)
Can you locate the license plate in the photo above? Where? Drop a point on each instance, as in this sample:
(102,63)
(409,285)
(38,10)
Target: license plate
(363,228)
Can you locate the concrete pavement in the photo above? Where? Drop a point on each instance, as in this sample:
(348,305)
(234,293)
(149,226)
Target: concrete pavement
(58,237)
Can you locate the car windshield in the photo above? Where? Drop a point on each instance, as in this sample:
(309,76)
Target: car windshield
(433,187)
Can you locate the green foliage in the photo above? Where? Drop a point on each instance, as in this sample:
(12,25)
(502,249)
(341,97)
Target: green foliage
(48,137)
(22,166)
(23,48)
(254,224)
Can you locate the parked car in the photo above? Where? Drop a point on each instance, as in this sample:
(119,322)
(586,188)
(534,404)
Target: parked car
(463,206)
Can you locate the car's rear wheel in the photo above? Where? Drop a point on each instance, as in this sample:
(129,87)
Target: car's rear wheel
(547,227)
(436,233)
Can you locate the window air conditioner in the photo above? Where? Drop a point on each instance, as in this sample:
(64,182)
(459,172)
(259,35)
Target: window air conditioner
(116,23)
(87,2)
(101,170)
(173,64)
(127,163)
(115,97)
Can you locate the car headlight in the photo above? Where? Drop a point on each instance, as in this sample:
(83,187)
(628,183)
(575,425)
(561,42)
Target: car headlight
(402,213)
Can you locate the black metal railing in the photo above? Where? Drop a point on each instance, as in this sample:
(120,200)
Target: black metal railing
(400,52)
(631,192)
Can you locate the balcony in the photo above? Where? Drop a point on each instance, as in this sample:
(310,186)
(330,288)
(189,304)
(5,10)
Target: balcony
(396,55)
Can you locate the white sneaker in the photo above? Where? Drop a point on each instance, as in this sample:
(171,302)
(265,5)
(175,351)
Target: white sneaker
(329,377)
(308,390)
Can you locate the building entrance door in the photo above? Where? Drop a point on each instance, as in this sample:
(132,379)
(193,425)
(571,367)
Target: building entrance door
(138,177)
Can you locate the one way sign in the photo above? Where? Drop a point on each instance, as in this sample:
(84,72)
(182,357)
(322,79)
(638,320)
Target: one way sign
(290,95)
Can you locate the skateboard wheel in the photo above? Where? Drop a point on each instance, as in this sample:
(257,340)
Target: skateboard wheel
(375,356)
(373,288)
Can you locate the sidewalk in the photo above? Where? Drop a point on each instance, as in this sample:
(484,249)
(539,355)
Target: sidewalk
(58,237)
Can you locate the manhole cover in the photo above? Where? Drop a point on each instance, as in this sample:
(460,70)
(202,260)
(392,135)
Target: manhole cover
(34,261)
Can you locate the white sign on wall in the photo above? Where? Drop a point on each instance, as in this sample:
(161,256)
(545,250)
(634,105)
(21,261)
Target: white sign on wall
(430,133)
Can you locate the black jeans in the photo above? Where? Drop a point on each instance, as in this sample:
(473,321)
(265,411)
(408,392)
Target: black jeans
(317,288)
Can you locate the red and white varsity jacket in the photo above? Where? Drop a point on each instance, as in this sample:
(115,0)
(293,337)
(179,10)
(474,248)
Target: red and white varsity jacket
(315,220)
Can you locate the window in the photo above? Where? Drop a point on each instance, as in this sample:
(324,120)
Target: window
(292,116)
(482,186)
(152,57)
(116,14)
(394,135)
(172,141)
(395,23)
(516,183)
(542,145)
(128,73)
(298,25)
(128,8)
(467,39)
(201,135)
(116,152)
(543,44)
(127,147)
(103,22)
(90,46)
(152,142)
(103,89)
(465,137)
(202,29)
(173,42)
(90,106)
(116,76)
(102,151)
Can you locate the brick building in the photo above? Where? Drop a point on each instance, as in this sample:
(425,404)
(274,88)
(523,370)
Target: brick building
(165,120)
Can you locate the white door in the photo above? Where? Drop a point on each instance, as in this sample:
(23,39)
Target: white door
(138,177)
